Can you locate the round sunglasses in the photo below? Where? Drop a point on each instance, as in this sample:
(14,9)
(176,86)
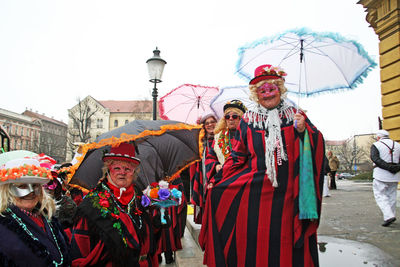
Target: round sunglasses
(234,116)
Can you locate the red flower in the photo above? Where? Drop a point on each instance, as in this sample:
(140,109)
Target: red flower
(104,203)
(155,184)
(115,216)
(173,186)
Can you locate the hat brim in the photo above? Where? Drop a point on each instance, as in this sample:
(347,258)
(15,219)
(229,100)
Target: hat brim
(233,106)
(27,180)
(264,77)
(122,158)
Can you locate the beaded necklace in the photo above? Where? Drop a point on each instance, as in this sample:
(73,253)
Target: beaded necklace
(25,228)
(29,213)
(129,206)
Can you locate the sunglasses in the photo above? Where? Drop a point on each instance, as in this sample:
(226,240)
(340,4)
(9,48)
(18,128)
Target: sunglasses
(234,116)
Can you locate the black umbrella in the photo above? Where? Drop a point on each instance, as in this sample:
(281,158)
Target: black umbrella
(164,147)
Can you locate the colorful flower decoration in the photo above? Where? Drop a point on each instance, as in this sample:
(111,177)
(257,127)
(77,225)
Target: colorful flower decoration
(274,71)
(162,195)
(224,143)
(25,170)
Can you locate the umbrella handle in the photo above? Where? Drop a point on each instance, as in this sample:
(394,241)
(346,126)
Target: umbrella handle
(163,221)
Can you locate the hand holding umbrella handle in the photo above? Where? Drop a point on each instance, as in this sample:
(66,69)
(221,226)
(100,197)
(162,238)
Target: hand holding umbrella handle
(299,122)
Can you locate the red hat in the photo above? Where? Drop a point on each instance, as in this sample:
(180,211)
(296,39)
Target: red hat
(124,152)
(267,72)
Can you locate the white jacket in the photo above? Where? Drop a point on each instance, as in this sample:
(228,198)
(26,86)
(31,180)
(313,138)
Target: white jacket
(384,153)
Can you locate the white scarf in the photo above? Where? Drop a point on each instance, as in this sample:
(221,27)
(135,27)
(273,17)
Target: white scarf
(270,121)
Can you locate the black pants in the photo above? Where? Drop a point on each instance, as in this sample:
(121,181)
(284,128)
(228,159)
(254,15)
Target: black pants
(333,180)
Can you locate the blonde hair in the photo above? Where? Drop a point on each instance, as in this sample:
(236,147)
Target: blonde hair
(47,203)
(221,125)
(279,82)
(107,165)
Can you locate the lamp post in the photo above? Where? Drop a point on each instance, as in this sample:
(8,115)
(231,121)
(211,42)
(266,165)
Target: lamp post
(155,66)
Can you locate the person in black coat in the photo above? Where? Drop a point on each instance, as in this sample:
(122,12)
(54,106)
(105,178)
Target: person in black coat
(31,235)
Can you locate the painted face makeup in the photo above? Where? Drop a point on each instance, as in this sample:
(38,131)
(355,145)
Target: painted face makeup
(119,168)
(267,90)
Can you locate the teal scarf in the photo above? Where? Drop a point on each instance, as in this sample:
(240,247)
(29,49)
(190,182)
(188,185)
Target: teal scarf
(307,195)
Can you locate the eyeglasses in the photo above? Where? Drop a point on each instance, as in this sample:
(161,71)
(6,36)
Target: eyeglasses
(210,122)
(234,116)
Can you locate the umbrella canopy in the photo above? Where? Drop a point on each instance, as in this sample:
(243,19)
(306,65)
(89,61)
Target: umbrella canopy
(315,62)
(164,147)
(15,154)
(229,93)
(186,103)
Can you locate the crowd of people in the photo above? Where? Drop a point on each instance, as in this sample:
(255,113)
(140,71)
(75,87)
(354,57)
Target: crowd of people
(256,191)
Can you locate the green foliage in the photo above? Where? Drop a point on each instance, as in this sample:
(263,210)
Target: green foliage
(366,176)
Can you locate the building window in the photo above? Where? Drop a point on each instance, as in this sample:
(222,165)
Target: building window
(126,122)
(99,123)
(116,123)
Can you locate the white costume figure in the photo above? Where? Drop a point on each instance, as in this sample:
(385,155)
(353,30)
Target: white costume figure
(385,153)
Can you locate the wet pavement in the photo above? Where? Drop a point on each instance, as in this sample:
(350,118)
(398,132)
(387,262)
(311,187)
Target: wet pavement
(351,227)
(350,232)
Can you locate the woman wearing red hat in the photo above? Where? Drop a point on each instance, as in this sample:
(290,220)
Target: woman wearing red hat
(113,229)
(265,209)
(30,234)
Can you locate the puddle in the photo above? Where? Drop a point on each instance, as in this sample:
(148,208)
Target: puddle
(341,252)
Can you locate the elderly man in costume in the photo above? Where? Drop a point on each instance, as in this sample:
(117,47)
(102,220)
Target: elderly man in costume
(198,177)
(265,209)
(112,227)
(31,236)
(385,153)
(223,140)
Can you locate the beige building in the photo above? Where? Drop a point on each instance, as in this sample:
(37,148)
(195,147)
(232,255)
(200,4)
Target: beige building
(353,153)
(90,118)
(384,18)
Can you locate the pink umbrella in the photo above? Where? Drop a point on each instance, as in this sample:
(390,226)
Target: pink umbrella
(186,103)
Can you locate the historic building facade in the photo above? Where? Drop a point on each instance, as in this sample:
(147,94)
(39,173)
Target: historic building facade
(384,18)
(23,131)
(102,116)
(53,136)
(35,132)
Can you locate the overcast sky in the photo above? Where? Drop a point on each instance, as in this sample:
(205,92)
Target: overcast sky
(54,52)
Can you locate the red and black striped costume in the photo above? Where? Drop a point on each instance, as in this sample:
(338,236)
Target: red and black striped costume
(248,222)
(97,241)
(198,182)
(170,239)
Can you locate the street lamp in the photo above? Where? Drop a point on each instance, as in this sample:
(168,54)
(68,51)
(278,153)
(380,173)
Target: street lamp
(155,66)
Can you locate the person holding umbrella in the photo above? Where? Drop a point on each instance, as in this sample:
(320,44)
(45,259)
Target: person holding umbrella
(112,228)
(265,209)
(31,235)
(197,171)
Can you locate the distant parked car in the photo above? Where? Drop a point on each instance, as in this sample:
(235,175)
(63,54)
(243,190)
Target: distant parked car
(345,175)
